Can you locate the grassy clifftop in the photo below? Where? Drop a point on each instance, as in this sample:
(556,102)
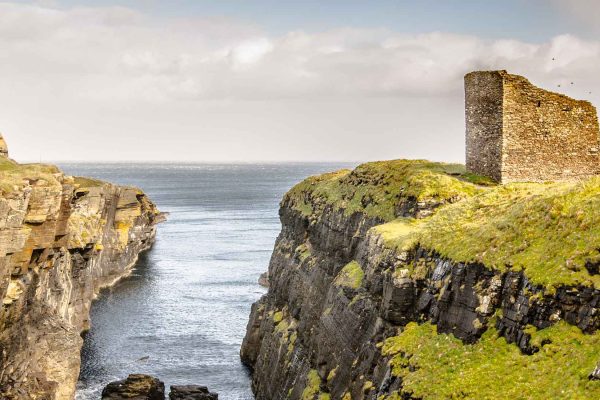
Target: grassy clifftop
(551,231)
(378,188)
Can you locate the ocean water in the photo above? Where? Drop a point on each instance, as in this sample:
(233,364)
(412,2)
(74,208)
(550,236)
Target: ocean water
(181,316)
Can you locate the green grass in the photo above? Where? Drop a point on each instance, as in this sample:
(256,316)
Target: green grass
(351,276)
(439,366)
(548,230)
(14,175)
(377,188)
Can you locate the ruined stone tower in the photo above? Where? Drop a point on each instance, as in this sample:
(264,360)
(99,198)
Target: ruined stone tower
(518,132)
(3,147)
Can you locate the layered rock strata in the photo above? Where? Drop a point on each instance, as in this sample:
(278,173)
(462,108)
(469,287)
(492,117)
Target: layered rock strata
(410,279)
(61,240)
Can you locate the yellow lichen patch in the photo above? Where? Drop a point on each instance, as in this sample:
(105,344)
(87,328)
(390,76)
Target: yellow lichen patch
(313,382)
(302,252)
(84,228)
(332,374)
(122,229)
(277,317)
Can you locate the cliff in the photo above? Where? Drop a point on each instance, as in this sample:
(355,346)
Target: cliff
(417,280)
(61,240)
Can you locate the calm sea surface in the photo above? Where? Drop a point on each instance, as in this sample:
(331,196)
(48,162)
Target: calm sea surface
(182,314)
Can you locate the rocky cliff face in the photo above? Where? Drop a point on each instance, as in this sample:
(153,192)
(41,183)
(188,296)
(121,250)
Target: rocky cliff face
(61,240)
(415,280)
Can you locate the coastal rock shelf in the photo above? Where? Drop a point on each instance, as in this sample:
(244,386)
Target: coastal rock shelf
(418,280)
(62,239)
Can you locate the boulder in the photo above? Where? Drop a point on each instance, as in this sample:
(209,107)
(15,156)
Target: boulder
(135,387)
(191,392)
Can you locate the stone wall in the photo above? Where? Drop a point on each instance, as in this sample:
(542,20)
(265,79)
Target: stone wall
(518,132)
(483,115)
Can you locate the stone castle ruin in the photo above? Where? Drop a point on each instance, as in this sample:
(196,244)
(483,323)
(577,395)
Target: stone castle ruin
(518,132)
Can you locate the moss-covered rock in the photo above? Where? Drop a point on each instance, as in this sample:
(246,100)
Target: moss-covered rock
(439,366)
(351,276)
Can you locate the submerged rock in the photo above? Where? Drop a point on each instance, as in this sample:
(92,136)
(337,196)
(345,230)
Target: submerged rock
(135,387)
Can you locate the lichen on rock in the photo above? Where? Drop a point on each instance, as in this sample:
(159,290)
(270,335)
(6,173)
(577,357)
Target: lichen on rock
(58,246)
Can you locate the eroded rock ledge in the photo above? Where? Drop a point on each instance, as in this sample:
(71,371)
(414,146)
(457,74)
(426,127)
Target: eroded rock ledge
(410,279)
(61,240)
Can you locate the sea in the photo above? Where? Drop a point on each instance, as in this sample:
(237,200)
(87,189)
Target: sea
(182,314)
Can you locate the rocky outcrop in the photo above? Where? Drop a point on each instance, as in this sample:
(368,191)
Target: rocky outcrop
(135,387)
(145,387)
(61,240)
(342,295)
(191,392)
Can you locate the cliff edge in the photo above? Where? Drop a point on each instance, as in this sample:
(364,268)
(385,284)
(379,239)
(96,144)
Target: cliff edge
(62,238)
(416,280)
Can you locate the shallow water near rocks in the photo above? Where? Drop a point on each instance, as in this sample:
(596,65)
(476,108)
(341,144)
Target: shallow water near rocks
(181,315)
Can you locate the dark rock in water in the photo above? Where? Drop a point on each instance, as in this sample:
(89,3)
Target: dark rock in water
(146,387)
(135,387)
(263,280)
(191,392)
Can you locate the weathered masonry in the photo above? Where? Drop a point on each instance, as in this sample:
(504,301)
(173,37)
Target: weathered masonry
(519,132)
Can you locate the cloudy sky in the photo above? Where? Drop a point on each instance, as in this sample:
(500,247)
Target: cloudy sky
(272,80)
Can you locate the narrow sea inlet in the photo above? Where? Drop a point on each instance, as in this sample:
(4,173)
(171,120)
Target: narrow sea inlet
(182,314)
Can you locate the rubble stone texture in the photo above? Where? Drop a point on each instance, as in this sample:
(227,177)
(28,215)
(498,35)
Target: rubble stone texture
(518,132)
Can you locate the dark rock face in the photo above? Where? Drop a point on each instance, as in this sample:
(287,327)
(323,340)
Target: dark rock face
(191,392)
(308,332)
(135,387)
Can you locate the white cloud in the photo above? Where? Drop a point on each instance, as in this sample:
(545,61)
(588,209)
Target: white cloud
(584,11)
(116,74)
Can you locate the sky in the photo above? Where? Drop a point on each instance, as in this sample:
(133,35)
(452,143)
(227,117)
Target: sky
(266,80)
